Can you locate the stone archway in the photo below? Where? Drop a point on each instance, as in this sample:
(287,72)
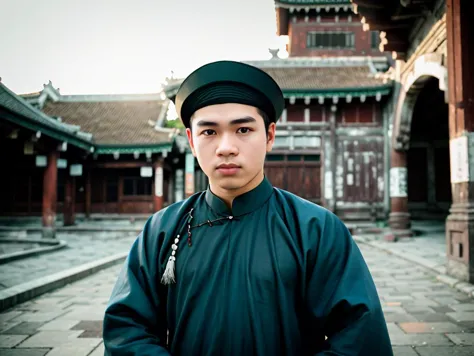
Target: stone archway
(425,68)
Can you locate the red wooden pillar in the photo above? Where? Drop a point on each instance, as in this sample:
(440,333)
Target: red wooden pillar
(50,182)
(399,217)
(87,203)
(460,222)
(158,185)
(69,201)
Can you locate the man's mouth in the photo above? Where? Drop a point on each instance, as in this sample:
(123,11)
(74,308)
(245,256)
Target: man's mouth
(228,169)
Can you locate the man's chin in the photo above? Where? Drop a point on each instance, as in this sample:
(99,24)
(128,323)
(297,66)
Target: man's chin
(230,183)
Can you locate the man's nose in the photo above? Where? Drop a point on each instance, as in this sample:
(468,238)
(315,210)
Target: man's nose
(227,146)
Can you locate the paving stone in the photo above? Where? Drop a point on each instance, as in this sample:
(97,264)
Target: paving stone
(59,324)
(92,328)
(39,316)
(97,314)
(439,291)
(24,352)
(462,338)
(98,351)
(418,310)
(24,328)
(394,329)
(400,318)
(50,338)
(7,316)
(431,328)
(461,316)
(446,300)
(402,299)
(393,309)
(467,326)
(11,340)
(444,351)
(444,309)
(422,302)
(431,317)
(468,307)
(72,350)
(8,325)
(419,340)
(404,351)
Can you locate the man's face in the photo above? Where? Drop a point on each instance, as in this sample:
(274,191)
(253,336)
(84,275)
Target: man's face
(230,144)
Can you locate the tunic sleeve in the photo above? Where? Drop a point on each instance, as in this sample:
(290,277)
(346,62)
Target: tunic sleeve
(135,318)
(342,298)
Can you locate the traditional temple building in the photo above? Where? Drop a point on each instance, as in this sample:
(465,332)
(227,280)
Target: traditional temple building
(432,117)
(331,144)
(92,154)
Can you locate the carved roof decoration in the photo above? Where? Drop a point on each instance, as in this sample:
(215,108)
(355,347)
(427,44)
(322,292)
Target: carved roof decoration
(396,19)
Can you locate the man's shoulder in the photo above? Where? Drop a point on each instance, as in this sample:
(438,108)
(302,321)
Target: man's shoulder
(310,219)
(299,204)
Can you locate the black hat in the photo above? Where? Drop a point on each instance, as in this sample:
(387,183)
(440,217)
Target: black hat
(229,82)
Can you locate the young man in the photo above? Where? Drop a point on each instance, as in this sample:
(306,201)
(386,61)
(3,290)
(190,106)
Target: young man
(242,268)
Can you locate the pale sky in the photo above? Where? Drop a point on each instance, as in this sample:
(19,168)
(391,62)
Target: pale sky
(126,46)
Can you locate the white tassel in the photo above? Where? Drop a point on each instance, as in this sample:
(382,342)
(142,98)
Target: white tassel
(168,277)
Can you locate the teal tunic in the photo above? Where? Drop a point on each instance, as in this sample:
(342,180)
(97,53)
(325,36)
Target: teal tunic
(275,279)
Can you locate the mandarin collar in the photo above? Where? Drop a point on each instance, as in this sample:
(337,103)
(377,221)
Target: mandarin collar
(243,204)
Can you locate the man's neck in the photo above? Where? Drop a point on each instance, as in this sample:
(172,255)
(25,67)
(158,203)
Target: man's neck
(228,195)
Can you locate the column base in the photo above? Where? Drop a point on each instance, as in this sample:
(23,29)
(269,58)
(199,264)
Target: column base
(48,232)
(399,224)
(460,242)
(69,220)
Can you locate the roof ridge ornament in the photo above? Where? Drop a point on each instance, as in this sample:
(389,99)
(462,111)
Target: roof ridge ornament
(274,52)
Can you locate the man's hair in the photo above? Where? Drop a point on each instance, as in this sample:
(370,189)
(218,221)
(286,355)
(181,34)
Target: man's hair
(263,114)
(266,120)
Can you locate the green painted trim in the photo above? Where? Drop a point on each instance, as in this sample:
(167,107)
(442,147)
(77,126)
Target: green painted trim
(110,149)
(38,126)
(300,93)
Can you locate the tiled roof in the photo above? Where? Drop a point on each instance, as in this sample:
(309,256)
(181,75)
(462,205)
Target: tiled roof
(323,78)
(114,122)
(31,117)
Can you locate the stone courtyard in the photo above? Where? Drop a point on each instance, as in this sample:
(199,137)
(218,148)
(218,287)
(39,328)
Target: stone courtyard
(425,316)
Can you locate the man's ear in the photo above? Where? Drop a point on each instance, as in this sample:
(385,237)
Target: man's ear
(271,136)
(189,135)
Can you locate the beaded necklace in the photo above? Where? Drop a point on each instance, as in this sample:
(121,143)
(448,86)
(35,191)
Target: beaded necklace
(169,274)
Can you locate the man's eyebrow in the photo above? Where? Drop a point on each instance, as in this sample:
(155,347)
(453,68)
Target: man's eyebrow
(207,123)
(243,120)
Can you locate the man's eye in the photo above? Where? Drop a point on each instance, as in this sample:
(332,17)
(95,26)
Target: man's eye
(244,130)
(208,132)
